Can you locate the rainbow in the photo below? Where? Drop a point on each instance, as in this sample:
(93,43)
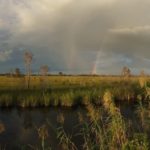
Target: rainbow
(96,63)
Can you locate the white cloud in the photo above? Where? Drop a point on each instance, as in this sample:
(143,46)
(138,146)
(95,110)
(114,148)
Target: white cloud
(131,30)
(66,34)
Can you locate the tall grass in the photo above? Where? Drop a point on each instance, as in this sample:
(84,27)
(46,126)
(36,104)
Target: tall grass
(103,128)
(69,91)
(107,129)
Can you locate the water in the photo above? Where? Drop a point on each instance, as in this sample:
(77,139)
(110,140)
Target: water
(21,125)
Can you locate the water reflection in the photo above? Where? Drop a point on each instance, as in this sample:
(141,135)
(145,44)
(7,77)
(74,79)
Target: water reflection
(27,120)
(22,124)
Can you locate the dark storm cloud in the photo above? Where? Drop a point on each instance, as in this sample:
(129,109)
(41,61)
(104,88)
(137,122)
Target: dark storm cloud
(73,35)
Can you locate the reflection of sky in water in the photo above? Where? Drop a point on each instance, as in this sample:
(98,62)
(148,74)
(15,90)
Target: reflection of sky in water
(22,124)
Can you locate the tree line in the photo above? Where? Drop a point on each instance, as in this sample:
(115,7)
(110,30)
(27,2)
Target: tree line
(44,69)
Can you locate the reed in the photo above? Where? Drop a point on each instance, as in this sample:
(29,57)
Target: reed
(77,90)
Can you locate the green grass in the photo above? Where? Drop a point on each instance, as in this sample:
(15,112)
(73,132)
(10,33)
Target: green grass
(107,129)
(104,127)
(67,90)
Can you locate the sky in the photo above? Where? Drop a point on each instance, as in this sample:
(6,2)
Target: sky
(76,36)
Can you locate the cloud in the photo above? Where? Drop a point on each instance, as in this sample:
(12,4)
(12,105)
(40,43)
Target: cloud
(67,35)
(5,55)
(131,30)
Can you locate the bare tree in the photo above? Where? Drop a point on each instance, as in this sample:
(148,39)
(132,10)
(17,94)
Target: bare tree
(142,73)
(44,72)
(28,57)
(126,72)
(17,72)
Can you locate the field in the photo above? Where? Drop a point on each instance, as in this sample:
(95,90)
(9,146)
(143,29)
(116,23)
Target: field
(104,125)
(68,90)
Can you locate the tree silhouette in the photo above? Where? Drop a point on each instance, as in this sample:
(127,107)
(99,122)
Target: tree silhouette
(44,71)
(126,72)
(28,57)
(17,72)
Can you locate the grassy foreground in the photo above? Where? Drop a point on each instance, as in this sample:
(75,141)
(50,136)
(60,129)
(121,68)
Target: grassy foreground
(69,90)
(104,128)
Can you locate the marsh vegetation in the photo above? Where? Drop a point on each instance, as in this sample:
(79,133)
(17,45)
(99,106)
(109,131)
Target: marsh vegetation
(90,113)
(69,90)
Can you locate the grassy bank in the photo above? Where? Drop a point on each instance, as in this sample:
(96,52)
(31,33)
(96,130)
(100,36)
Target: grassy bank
(107,129)
(69,90)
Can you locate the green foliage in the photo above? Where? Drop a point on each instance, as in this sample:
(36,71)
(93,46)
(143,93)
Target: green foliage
(139,142)
(65,140)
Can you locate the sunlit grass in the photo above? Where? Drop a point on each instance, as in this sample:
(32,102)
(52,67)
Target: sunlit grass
(69,90)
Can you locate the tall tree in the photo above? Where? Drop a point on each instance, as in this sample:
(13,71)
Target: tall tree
(28,57)
(43,72)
